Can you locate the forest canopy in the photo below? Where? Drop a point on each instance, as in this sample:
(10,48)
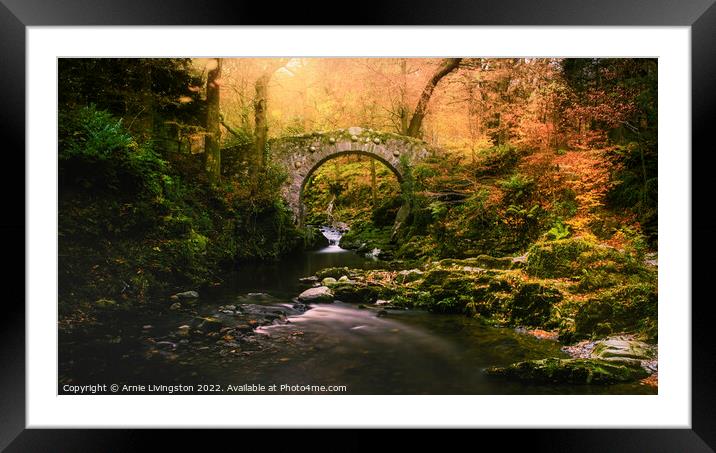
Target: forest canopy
(524,148)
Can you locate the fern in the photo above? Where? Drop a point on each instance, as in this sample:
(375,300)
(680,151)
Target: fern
(558,231)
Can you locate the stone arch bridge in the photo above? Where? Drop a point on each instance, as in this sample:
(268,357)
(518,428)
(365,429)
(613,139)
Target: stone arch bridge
(302,155)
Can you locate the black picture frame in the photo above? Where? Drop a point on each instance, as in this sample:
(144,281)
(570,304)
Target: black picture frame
(16,15)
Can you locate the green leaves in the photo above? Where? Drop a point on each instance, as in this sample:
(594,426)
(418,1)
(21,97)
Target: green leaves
(438,209)
(517,188)
(496,160)
(522,211)
(96,151)
(558,231)
(92,133)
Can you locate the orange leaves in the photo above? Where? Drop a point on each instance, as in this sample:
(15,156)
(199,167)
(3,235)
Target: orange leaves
(381,277)
(587,173)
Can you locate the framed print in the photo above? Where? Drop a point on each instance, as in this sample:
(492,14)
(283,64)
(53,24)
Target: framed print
(484,222)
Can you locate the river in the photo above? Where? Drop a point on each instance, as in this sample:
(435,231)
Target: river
(338,344)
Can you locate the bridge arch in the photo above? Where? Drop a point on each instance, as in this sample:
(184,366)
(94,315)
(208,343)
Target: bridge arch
(301,208)
(302,155)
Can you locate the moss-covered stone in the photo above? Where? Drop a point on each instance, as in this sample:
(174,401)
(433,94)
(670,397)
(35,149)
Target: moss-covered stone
(366,237)
(452,304)
(415,248)
(532,304)
(596,266)
(617,349)
(409,298)
(332,272)
(313,238)
(631,308)
(358,292)
(557,259)
(451,291)
(490,262)
(570,371)
(408,276)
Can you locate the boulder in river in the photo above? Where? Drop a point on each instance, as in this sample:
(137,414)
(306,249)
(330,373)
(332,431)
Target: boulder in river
(318,294)
(186,295)
(335,272)
(183,330)
(359,293)
(211,324)
(328,281)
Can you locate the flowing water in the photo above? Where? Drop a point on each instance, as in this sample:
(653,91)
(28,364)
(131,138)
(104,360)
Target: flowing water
(339,344)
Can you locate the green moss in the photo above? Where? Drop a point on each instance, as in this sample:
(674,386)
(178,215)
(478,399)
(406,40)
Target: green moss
(499,295)
(408,276)
(334,272)
(313,239)
(570,371)
(365,237)
(136,222)
(631,308)
(480,261)
(532,304)
(578,258)
(556,259)
(458,287)
(417,247)
(358,293)
(412,299)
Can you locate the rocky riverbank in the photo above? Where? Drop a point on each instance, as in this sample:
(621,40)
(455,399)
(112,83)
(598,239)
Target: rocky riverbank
(598,302)
(227,329)
(606,331)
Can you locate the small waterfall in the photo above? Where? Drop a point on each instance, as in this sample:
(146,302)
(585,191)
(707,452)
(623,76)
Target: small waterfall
(333,235)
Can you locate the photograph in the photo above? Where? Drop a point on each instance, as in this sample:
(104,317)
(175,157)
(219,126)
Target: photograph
(485,217)
(453,225)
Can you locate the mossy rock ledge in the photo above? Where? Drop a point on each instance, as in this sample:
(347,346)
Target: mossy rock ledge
(359,293)
(570,371)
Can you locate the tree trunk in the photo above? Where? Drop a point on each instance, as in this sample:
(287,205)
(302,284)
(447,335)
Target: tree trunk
(212,140)
(261,121)
(403,109)
(372,183)
(448,65)
(259,159)
(336,171)
(147,112)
